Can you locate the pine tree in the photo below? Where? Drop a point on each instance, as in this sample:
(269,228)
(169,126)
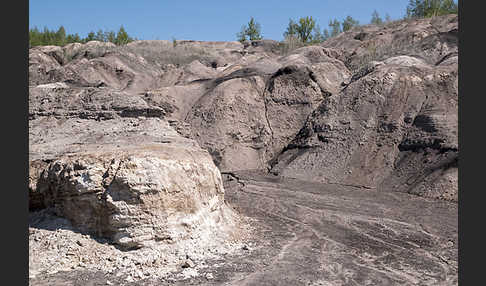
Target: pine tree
(304,29)
(60,36)
(449,7)
(430,8)
(291,29)
(70,39)
(35,37)
(100,36)
(317,36)
(326,34)
(46,37)
(122,37)
(91,37)
(241,35)
(110,36)
(349,23)
(335,26)
(375,18)
(252,30)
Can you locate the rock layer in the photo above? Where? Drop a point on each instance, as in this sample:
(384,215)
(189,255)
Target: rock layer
(364,135)
(132,186)
(360,109)
(349,111)
(127,143)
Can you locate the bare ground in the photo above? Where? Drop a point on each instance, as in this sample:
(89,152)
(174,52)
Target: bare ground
(318,234)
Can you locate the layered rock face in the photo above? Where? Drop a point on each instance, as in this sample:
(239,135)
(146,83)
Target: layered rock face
(247,117)
(133,181)
(375,107)
(393,125)
(396,124)
(103,155)
(127,145)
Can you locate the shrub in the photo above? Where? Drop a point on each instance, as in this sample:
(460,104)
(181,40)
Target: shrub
(302,30)
(251,31)
(349,23)
(335,27)
(376,19)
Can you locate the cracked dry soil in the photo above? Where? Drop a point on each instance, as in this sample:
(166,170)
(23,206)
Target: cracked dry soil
(320,234)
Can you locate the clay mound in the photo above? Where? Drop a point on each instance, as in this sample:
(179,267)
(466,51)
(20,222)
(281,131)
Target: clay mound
(94,64)
(393,128)
(255,112)
(122,181)
(247,117)
(40,64)
(127,195)
(229,122)
(292,93)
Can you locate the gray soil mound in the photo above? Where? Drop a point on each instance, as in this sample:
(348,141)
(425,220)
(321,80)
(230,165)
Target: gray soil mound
(163,162)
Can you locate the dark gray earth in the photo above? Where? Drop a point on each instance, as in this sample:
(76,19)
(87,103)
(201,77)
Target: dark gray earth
(227,163)
(321,234)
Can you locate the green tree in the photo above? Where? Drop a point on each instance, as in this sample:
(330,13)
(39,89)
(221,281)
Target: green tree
(100,36)
(60,37)
(376,19)
(387,18)
(291,29)
(34,37)
(335,26)
(91,37)
(305,30)
(349,23)
(122,37)
(449,7)
(73,38)
(252,30)
(110,36)
(241,35)
(430,8)
(326,34)
(47,37)
(317,35)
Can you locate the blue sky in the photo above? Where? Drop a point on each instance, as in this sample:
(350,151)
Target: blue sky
(207,20)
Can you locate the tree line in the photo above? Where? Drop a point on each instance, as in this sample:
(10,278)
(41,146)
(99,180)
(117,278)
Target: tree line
(307,31)
(60,38)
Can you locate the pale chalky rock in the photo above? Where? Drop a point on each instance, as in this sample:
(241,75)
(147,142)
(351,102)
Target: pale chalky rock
(135,194)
